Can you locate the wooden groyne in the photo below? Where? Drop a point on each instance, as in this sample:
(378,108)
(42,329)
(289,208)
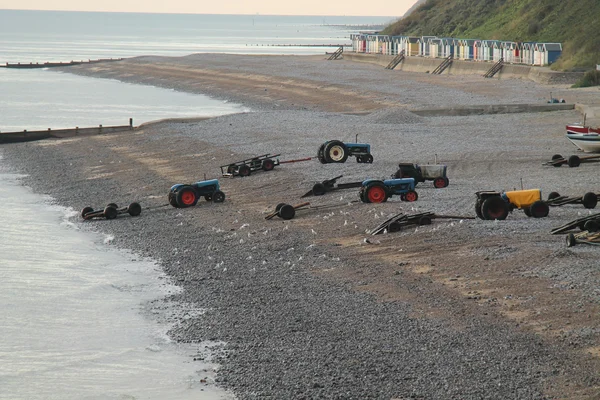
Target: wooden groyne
(56,64)
(28,136)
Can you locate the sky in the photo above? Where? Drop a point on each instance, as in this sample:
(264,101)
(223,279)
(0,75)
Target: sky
(394,8)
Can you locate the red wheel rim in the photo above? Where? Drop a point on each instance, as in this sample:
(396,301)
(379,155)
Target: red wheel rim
(376,194)
(496,212)
(188,197)
(410,196)
(439,183)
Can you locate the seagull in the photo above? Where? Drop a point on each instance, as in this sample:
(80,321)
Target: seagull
(313,231)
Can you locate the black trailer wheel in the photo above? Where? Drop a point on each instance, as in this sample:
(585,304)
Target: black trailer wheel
(439,183)
(218,196)
(319,189)
(411,196)
(494,208)
(287,211)
(231,169)
(368,159)
(589,200)
(110,212)
(574,161)
(478,209)
(336,152)
(425,220)
(556,157)
(571,241)
(86,210)
(375,192)
(113,205)
(394,227)
(186,197)
(539,209)
(244,170)
(592,226)
(134,209)
(268,164)
(278,207)
(173,200)
(553,195)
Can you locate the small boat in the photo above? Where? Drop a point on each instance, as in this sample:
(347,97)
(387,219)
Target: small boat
(584,137)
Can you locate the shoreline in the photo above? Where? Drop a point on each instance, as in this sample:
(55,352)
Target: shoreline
(450,310)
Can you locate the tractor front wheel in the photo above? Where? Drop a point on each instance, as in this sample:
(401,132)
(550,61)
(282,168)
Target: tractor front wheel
(218,197)
(539,209)
(440,183)
(411,196)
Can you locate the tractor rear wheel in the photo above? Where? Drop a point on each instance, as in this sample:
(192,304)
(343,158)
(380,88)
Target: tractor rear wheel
(478,209)
(336,152)
(411,196)
(287,211)
(186,197)
(321,153)
(589,200)
(218,197)
(439,183)
(494,208)
(268,164)
(539,209)
(574,161)
(375,193)
(134,209)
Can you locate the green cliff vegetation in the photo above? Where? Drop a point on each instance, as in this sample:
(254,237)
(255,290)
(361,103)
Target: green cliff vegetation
(574,23)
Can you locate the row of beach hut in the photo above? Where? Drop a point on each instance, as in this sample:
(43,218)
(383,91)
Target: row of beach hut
(529,53)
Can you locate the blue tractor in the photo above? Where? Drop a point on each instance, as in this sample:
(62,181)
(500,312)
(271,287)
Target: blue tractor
(335,151)
(187,195)
(378,191)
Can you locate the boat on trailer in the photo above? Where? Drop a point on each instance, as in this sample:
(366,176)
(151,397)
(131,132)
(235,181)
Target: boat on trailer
(584,137)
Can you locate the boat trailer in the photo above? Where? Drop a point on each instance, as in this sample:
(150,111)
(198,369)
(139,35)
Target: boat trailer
(330,185)
(398,221)
(111,211)
(572,161)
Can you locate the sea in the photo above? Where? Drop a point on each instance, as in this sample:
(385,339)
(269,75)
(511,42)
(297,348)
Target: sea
(76,320)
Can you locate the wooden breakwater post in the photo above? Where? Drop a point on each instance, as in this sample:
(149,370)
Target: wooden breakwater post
(26,136)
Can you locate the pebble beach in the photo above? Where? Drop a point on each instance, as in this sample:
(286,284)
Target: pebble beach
(316,307)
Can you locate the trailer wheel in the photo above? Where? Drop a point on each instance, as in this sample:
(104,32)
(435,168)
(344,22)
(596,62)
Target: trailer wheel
(590,200)
(319,189)
(110,212)
(411,196)
(553,195)
(394,227)
(591,226)
(134,209)
(278,207)
(231,169)
(376,193)
(574,161)
(186,197)
(478,209)
(494,208)
(268,164)
(244,170)
(539,209)
(571,241)
(86,210)
(286,211)
(425,220)
(556,157)
(336,152)
(439,183)
(218,196)
(112,205)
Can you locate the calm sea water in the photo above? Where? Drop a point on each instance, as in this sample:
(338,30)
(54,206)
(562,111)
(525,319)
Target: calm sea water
(73,324)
